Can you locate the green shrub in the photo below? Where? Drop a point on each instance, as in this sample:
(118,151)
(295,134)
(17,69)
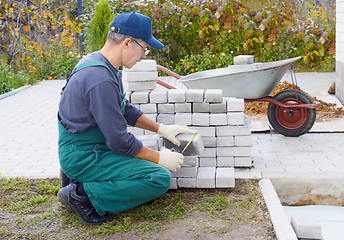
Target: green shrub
(10,80)
(270,30)
(205,61)
(99,26)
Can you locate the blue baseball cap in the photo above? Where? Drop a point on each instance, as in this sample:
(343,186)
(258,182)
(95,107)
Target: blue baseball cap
(135,25)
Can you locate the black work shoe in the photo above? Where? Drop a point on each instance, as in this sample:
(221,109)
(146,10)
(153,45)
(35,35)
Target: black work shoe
(81,206)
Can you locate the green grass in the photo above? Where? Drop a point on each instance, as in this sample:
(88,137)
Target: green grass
(29,209)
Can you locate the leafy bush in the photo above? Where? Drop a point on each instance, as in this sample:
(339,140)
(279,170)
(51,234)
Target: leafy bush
(39,38)
(99,25)
(34,33)
(204,61)
(270,30)
(10,80)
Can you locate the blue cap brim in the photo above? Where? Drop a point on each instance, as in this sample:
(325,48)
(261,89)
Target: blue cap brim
(154,43)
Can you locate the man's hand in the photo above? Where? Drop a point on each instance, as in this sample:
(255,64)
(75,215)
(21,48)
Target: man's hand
(171,131)
(170,160)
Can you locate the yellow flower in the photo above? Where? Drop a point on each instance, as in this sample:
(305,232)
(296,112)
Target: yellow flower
(187,66)
(192,70)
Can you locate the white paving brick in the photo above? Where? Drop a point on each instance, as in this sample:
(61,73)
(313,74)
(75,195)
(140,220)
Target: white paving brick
(218,107)
(187,182)
(225,161)
(139,86)
(205,131)
(183,118)
(222,131)
(236,118)
(195,95)
(174,184)
(218,119)
(200,107)
(143,66)
(194,149)
(206,177)
(158,96)
(225,151)
(225,178)
(140,97)
(227,141)
(213,96)
(243,59)
(148,108)
(190,161)
(235,104)
(200,119)
(209,141)
(186,172)
(176,96)
(166,108)
(207,161)
(182,107)
(166,118)
(139,76)
(306,226)
(209,152)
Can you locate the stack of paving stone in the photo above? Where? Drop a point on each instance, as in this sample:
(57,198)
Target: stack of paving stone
(141,77)
(221,122)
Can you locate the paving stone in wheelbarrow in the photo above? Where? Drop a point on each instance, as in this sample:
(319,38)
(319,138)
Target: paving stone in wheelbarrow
(194,149)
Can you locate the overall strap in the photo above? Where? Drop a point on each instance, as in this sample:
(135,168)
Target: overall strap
(96,63)
(90,64)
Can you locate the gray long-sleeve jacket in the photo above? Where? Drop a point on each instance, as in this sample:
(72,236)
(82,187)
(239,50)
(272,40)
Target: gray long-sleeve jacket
(92,99)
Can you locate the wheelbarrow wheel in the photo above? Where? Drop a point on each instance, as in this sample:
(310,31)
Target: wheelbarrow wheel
(291,122)
(64,179)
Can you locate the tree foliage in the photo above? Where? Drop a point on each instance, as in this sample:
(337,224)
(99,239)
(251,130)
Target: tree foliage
(99,26)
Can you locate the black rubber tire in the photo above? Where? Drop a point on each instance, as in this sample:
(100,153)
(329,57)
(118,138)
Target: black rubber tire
(64,179)
(291,122)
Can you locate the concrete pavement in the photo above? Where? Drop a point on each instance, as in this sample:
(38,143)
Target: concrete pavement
(28,141)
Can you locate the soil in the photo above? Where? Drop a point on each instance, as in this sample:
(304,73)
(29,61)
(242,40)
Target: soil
(239,213)
(325,111)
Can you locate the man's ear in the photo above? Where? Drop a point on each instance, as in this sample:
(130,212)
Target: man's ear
(126,42)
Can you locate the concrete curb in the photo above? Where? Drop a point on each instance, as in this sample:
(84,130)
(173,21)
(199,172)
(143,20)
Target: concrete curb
(5,95)
(280,221)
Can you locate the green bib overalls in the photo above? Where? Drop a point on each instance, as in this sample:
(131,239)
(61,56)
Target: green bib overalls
(113,182)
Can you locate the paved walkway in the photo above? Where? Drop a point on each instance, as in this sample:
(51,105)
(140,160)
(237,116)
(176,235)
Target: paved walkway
(28,142)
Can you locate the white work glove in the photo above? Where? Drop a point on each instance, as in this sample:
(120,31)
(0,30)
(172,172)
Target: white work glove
(171,131)
(170,160)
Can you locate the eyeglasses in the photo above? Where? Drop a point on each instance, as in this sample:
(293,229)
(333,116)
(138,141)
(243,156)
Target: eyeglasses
(144,48)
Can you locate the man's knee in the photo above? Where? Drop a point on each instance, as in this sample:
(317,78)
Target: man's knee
(162,179)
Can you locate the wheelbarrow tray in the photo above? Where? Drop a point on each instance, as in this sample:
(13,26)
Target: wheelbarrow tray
(247,81)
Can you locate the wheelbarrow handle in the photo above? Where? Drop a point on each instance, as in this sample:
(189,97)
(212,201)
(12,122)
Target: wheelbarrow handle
(168,71)
(270,99)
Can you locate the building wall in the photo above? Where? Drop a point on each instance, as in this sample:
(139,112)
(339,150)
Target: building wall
(340,49)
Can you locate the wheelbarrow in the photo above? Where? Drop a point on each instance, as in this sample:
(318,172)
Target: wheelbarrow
(290,112)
